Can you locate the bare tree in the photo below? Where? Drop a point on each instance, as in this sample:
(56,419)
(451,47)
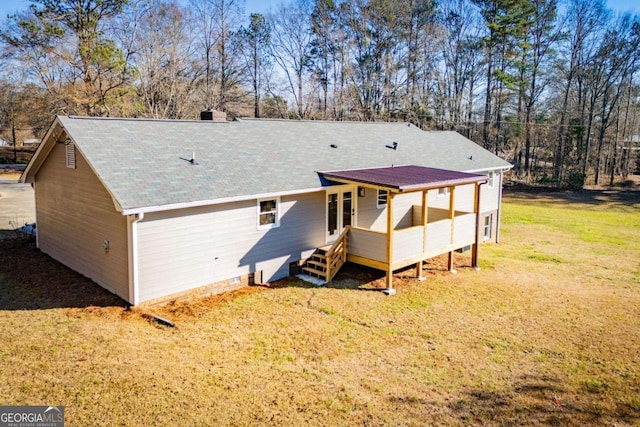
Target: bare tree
(254,45)
(167,73)
(535,53)
(291,48)
(584,20)
(460,71)
(216,23)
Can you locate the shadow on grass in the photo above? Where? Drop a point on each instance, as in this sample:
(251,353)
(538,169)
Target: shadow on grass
(31,280)
(536,400)
(350,276)
(359,277)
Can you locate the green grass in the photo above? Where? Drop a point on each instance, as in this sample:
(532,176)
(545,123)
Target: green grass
(546,333)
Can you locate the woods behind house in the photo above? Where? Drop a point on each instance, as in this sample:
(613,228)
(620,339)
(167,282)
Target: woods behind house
(551,86)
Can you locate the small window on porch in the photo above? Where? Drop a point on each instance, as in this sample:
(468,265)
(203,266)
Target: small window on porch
(268,213)
(443,192)
(382,198)
(488,222)
(491,175)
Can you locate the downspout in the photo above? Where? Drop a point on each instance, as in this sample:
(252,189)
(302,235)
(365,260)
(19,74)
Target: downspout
(477,213)
(499,208)
(35,205)
(133,257)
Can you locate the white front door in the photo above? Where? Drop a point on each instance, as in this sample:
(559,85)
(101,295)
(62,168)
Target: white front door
(341,211)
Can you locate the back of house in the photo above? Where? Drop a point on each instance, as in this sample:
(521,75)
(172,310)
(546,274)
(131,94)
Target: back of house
(154,210)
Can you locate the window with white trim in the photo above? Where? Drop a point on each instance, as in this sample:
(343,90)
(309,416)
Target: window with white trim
(488,222)
(443,192)
(70,155)
(383,195)
(491,175)
(268,213)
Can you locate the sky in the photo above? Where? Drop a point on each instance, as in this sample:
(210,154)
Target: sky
(251,6)
(262,6)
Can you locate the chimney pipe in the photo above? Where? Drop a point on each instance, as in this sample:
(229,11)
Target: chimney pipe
(206,114)
(213,115)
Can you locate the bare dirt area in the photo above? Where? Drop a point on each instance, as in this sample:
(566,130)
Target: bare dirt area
(545,334)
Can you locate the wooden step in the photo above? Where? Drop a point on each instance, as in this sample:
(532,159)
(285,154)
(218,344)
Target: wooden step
(317,263)
(314,272)
(324,249)
(314,268)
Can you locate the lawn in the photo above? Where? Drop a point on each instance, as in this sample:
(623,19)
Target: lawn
(548,332)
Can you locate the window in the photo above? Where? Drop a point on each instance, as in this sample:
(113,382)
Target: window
(491,175)
(347,208)
(71,155)
(488,221)
(443,192)
(268,213)
(382,198)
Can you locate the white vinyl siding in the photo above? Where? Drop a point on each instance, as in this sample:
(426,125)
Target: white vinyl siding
(368,245)
(464,197)
(376,219)
(438,235)
(189,248)
(490,196)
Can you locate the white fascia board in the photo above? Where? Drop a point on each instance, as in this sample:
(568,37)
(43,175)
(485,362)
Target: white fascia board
(500,168)
(200,203)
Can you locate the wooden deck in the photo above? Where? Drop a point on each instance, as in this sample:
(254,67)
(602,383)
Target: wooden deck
(433,232)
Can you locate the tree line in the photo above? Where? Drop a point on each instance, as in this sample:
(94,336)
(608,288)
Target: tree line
(550,85)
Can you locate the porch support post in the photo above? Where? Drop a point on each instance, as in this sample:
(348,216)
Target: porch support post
(389,278)
(476,211)
(452,217)
(499,213)
(423,221)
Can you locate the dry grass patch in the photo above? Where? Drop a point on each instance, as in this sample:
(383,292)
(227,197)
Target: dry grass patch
(546,333)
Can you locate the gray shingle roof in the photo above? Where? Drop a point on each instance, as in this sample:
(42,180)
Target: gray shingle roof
(142,162)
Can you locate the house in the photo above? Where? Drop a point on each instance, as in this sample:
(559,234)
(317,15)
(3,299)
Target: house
(154,210)
(30,142)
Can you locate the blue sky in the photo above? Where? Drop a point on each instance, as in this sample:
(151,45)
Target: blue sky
(262,6)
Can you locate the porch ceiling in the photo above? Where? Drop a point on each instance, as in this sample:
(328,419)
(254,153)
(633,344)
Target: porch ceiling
(404,178)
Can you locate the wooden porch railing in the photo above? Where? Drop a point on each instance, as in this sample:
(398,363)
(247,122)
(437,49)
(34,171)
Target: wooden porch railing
(337,254)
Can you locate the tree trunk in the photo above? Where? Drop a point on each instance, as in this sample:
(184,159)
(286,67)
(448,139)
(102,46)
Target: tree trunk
(487,104)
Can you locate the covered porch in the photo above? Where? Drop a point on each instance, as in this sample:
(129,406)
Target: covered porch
(425,232)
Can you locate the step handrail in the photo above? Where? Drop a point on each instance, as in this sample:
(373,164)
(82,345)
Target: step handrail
(339,246)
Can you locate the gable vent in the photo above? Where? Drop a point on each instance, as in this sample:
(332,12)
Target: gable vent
(71,155)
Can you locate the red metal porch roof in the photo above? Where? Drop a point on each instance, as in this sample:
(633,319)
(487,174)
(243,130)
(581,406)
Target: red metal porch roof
(405,178)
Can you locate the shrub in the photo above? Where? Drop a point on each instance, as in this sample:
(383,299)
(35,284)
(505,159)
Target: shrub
(576,180)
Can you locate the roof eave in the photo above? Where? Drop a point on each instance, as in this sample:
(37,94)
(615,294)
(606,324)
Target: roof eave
(201,203)
(42,152)
(442,184)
